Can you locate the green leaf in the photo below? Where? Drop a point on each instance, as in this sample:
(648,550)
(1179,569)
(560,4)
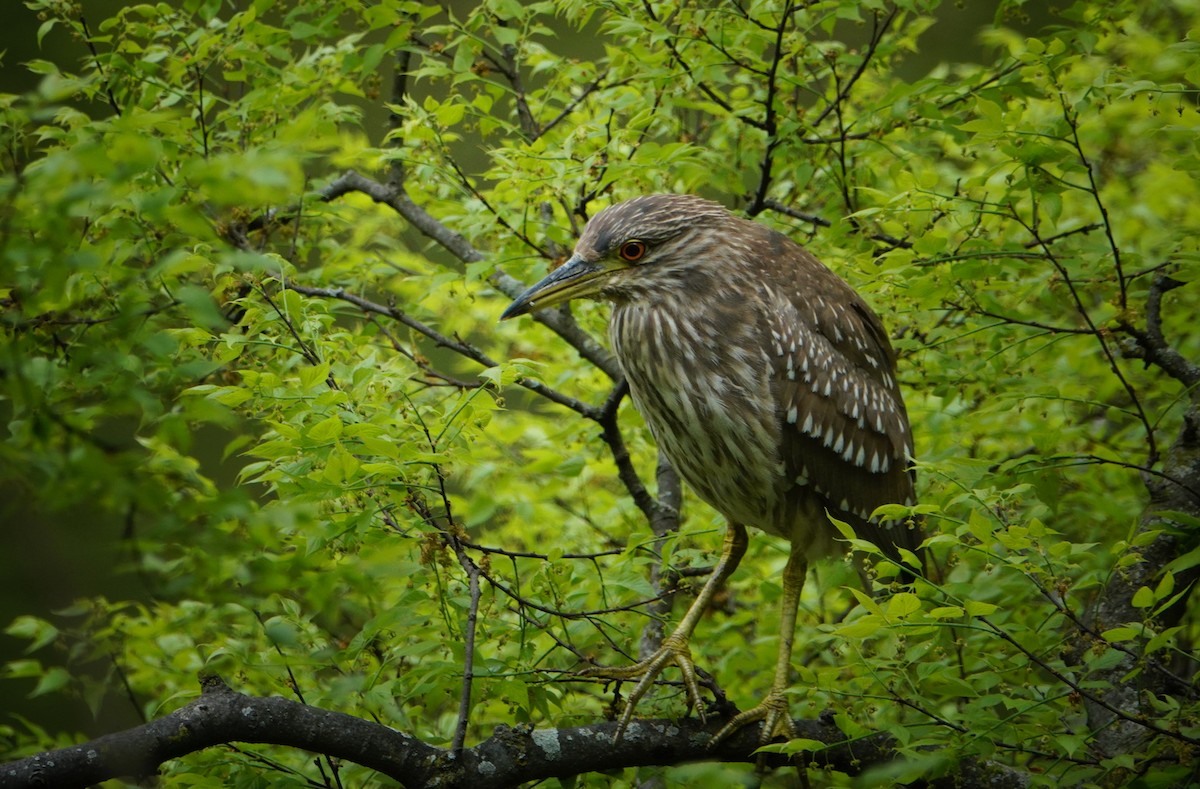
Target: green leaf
(947,612)
(281,632)
(866,601)
(862,627)
(977,608)
(45,28)
(1166,585)
(37,631)
(1143,598)
(1161,640)
(326,430)
(794,746)
(340,467)
(450,113)
(846,530)
(314,375)
(902,605)
(54,679)
(1118,634)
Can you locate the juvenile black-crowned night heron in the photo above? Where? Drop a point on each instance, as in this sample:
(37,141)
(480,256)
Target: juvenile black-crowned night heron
(768,383)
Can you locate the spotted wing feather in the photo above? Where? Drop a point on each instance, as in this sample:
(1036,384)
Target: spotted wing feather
(846,437)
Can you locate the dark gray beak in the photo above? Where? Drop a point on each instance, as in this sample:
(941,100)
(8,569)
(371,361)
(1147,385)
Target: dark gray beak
(577,277)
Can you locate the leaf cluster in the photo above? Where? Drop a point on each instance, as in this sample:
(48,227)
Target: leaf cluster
(251,261)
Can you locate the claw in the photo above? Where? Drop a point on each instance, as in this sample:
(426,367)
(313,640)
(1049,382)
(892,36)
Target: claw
(773,712)
(674,651)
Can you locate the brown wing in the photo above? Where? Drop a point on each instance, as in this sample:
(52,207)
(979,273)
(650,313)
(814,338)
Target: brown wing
(846,437)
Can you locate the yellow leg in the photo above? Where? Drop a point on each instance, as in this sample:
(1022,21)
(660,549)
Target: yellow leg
(773,711)
(674,649)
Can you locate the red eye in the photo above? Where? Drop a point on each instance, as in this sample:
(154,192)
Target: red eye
(633,250)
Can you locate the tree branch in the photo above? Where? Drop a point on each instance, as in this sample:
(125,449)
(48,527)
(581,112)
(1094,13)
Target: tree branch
(511,756)
(1150,345)
(221,716)
(459,347)
(396,198)
(1101,337)
(1118,716)
(769,114)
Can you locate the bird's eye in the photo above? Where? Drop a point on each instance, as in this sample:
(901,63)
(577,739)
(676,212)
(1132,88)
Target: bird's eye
(633,250)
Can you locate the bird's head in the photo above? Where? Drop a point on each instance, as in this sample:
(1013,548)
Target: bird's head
(623,247)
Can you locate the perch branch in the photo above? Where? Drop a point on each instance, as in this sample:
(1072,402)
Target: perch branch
(510,757)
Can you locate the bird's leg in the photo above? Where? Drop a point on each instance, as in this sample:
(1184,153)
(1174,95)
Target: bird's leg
(773,711)
(674,648)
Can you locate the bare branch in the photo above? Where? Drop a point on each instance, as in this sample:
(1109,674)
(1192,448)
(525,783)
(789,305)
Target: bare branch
(396,198)
(616,443)
(511,554)
(713,96)
(1065,234)
(587,90)
(1150,345)
(1106,349)
(91,44)
(1072,120)
(512,70)
(769,115)
(219,716)
(878,30)
(512,756)
(813,219)
(458,346)
(1011,321)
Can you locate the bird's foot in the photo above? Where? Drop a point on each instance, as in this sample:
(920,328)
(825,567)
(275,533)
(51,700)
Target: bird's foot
(674,651)
(773,712)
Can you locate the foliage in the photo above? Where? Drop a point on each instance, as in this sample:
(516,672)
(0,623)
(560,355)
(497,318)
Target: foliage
(407,488)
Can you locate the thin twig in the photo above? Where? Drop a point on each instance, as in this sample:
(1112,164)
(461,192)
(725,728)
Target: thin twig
(458,346)
(397,198)
(769,124)
(1073,123)
(1105,348)
(677,56)
(1083,691)
(877,32)
(91,45)
(1151,346)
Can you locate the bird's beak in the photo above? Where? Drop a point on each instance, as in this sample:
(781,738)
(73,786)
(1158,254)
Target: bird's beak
(577,277)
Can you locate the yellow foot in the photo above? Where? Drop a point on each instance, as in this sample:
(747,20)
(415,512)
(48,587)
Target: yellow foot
(773,712)
(674,651)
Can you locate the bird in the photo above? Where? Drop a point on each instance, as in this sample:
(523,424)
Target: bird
(770,386)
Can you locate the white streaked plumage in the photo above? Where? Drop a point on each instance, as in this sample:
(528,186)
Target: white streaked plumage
(818,404)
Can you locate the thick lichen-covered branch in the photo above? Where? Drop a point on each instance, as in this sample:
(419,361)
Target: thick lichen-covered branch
(510,757)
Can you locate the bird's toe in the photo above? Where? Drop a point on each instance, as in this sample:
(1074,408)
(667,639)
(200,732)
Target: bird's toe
(775,717)
(674,651)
